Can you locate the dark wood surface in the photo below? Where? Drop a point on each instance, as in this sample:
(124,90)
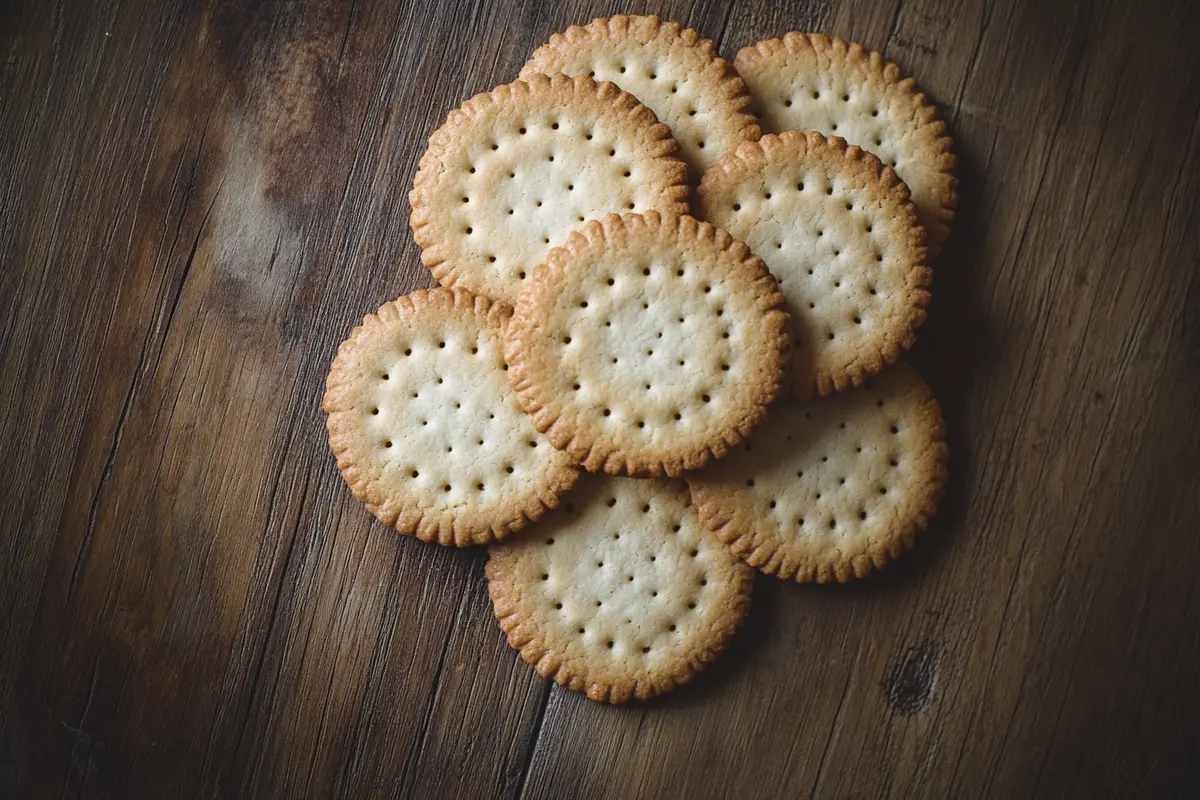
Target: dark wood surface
(199,199)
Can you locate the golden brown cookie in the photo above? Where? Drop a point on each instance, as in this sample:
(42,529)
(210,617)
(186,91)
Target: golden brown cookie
(812,82)
(620,593)
(648,344)
(671,69)
(427,432)
(514,170)
(830,489)
(837,230)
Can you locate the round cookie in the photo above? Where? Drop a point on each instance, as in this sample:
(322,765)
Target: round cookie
(513,171)
(830,489)
(812,82)
(673,70)
(648,344)
(427,432)
(620,593)
(837,230)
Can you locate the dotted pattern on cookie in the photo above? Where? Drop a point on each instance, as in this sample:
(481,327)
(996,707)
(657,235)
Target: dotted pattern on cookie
(837,230)
(648,345)
(831,489)
(812,82)
(513,171)
(673,70)
(426,430)
(620,593)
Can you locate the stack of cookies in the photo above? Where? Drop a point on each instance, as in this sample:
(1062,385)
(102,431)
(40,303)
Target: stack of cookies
(676,292)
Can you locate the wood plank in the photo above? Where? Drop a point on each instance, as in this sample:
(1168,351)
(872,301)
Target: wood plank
(203,563)
(199,200)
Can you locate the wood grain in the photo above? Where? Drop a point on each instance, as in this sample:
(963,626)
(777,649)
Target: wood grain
(197,202)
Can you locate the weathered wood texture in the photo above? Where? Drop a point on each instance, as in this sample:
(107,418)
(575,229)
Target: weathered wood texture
(198,200)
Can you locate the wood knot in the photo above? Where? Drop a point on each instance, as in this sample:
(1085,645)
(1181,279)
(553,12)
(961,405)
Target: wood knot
(908,683)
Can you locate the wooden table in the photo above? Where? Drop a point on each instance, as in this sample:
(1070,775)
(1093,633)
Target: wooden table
(199,199)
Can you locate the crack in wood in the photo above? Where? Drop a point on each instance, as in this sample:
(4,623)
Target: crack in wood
(833,728)
(893,28)
(531,752)
(438,679)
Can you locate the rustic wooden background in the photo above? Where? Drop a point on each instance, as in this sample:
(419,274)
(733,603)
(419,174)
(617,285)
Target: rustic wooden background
(199,199)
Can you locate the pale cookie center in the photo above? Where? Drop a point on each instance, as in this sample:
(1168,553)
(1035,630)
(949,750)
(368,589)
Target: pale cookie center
(839,473)
(629,579)
(666,88)
(523,186)
(833,106)
(443,420)
(827,243)
(651,344)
